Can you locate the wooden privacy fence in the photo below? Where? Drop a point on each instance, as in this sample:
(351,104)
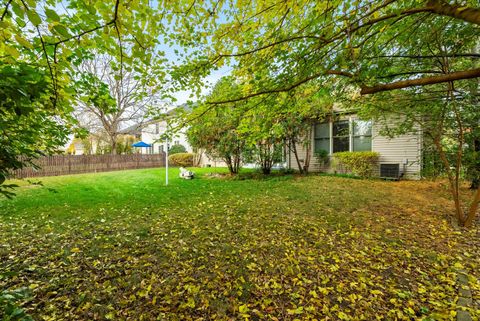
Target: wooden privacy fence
(75,164)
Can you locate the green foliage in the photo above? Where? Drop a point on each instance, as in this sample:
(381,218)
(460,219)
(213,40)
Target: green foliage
(9,305)
(175,149)
(28,119)
(181,159)
(358,163)
(274,48)
(215,130)
(94,92)
(322,157)
(472,153)
(40,45)
(357,48)
(265,154)
(124,144)
(87,146)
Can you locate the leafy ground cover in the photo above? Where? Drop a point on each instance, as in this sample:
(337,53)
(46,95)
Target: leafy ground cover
(122,246)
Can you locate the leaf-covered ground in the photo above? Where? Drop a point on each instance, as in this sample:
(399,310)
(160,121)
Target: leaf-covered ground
(121,246)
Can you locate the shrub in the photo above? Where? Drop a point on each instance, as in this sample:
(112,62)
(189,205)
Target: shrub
(176,149)
(181,159)
(322,157)
(358,163)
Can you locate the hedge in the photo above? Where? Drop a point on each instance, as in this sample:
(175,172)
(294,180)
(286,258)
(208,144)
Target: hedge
(181,159)
(358,163)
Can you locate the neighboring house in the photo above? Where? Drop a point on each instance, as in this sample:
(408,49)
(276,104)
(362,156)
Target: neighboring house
(153,133)
(77,146)
(98,144)
(348,133)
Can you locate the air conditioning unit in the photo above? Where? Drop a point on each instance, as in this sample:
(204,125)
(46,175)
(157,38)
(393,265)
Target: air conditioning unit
(390,171)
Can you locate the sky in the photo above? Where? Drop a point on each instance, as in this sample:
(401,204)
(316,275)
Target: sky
(183,96)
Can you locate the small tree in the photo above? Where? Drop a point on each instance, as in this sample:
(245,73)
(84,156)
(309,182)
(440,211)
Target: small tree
(215,129)
(269,152)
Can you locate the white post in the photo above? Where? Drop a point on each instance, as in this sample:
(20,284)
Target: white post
(166,165)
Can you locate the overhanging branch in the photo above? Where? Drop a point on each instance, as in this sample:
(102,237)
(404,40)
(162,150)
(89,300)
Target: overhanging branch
(464,13)
(284,89)
(459,75)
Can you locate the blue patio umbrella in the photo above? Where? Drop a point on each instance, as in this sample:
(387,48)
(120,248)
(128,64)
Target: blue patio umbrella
(141,144)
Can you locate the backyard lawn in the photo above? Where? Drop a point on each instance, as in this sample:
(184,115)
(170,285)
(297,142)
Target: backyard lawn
(122,246)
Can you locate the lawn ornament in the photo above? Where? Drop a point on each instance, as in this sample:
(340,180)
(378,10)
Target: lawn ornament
(186,174)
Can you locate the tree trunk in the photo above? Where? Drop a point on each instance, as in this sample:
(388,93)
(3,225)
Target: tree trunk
(113,144)
(308,147)
(266,155)
(308,156)
(472,212)
(228,161)
(452,183)
(197,157)
(293,148)
(476,179)
(236,164)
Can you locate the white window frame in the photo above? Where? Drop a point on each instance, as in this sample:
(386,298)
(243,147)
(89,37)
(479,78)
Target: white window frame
(350,119)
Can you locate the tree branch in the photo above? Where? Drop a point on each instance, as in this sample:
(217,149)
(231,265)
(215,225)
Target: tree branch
(285,89)
(111,22)
(453,55)
(458,75)
(6,10)
(464,13)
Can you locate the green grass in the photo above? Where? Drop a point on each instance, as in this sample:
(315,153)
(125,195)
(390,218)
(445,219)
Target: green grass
(122,245)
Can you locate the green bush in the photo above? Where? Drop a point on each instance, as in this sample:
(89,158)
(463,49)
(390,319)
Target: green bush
(322,157)
(176,149)
(358,163)
(181,159)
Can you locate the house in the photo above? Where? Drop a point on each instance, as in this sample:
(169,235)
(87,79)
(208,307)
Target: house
(99,144)
(153,133)
(347,132)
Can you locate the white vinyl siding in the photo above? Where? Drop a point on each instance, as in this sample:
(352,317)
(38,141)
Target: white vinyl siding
(405,150)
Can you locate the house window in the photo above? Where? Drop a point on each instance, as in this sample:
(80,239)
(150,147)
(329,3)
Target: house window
(341,136)
(160,149)
(322,137)
(177,142)
(157,128)
(362,136)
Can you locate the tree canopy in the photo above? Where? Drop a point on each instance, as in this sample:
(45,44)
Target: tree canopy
(376,46)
